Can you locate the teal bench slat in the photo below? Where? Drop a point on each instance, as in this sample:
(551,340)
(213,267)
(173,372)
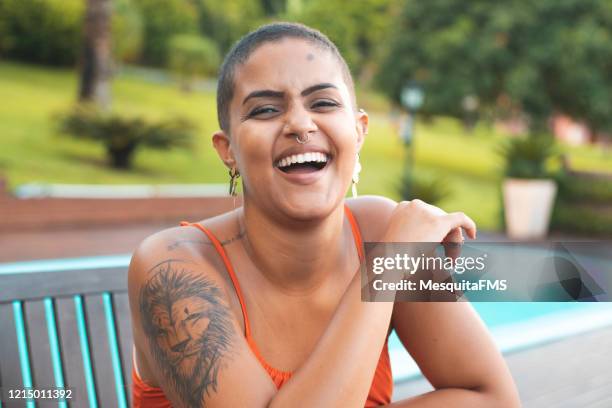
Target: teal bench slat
(10,368)
(114,349)
(22,346)
(56,357)
(70,349)
(89,378)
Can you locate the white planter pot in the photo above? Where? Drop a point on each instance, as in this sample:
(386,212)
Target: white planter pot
(528,205)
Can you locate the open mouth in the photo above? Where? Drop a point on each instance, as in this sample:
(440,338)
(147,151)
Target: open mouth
(303,163)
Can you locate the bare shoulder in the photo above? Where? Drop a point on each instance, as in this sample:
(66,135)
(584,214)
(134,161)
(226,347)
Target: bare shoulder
(373,214)
(177,245)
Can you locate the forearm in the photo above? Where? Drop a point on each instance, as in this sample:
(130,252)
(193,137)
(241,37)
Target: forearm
(339,372)
(458,397)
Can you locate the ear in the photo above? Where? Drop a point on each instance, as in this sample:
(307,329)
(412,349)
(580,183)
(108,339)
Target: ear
(361,123)
(223,146)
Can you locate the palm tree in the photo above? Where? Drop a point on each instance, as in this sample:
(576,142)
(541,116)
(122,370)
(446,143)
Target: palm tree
(96,54)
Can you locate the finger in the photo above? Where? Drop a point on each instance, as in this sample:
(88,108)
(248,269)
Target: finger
(452,249)
(455,235)
(460,220)
(452,243)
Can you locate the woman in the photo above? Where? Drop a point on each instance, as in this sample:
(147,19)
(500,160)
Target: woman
(261,306)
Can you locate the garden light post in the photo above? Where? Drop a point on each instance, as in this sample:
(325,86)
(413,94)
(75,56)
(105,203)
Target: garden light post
(470,104)
(412,98)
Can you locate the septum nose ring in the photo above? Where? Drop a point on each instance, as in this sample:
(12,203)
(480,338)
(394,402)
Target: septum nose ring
(303,138)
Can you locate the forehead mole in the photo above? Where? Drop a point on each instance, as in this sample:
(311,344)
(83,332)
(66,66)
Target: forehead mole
(310,56)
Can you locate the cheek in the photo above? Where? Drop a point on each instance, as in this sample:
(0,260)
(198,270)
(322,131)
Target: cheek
(253,151)
(199,326)
(343,135)
(164,344)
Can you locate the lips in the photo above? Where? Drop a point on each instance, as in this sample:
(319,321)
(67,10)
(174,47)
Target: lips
(302,162)
(297,160)
(303,173)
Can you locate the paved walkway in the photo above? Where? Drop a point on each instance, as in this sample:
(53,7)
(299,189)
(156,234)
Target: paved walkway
(572,373)
(75,242)
(69,243)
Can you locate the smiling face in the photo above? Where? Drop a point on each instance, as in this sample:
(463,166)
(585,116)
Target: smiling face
(180,329)
(286,89)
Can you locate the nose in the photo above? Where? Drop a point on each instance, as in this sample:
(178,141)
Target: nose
(179,339)
(299,122)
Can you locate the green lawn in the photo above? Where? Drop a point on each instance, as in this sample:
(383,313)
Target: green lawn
(31,150)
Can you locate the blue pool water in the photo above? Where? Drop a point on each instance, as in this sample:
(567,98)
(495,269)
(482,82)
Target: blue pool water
(495,314)
(506,313)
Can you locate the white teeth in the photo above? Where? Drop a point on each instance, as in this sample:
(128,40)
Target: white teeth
(316,157)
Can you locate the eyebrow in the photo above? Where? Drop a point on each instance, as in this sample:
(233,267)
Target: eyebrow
(268,93)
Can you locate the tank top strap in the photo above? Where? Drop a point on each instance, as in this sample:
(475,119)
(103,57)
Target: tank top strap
(230,271)
(356,232)
(232,274)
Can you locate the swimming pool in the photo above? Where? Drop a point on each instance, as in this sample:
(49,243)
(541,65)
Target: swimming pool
(513,325)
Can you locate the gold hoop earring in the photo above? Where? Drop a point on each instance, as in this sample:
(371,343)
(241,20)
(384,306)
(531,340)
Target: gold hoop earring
(355,178)
(233,184)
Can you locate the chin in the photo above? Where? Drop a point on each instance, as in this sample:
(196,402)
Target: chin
(310,207)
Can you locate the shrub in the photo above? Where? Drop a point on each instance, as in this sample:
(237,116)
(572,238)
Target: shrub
(123,135)
(583,219)
(41,31)
(431,190)
(526,157)
(191,56)
(594,190)
(584,204)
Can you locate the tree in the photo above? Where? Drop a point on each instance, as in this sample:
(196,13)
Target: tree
(191,56)
(96,57)
(225,22)
(41,31)
(358,27)
(162,19)
(534,57)
(127,31)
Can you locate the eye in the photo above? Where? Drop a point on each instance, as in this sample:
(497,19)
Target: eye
(194,316)
(263,111)
(324,103)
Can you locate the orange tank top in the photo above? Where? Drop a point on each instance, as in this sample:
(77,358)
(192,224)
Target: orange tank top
(146,396)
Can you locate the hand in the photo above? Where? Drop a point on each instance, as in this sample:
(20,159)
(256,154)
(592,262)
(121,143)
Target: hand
(417,221)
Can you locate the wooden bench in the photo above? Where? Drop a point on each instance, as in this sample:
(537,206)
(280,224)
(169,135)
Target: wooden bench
(66,328)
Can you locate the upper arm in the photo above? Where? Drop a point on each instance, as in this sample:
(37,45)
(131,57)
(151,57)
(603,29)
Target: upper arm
(451,345)
(184,327)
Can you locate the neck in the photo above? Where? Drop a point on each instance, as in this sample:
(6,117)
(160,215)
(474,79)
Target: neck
(296,257)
